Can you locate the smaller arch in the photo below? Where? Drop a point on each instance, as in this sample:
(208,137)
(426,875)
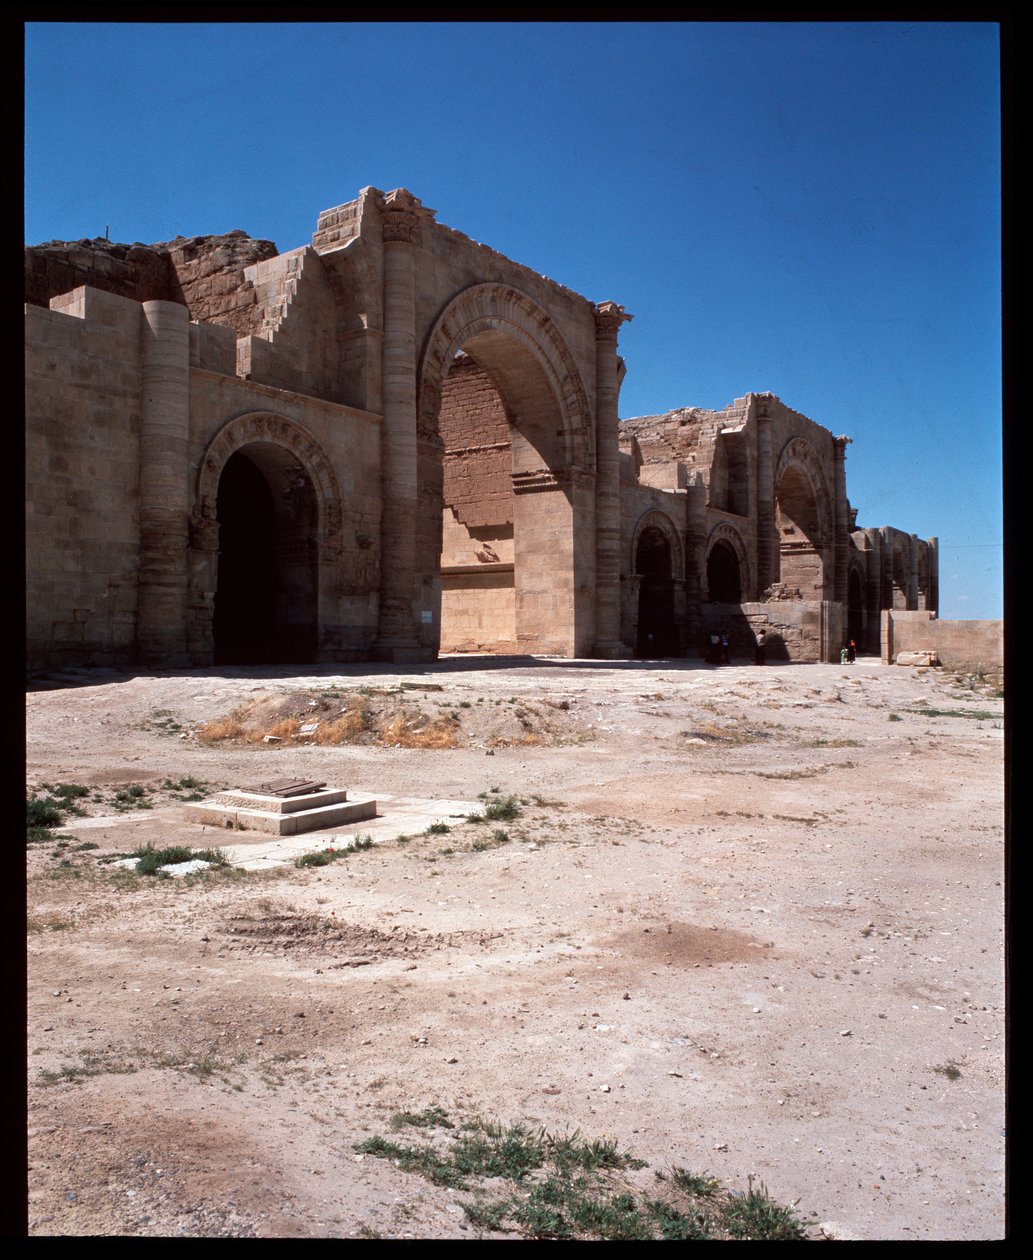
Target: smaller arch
(729,578)
(661,522)
(266,427)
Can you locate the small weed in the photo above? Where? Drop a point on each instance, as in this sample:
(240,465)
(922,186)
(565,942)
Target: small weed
(151,860)
(429,1118)
(438,829)
(949,1069)
(131,796)
(698,1184)
(324,857)
(894,717)
(755,1215)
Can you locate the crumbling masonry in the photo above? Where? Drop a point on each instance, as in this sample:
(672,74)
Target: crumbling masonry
(396,442)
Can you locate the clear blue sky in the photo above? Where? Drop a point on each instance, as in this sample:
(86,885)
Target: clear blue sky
(807,208)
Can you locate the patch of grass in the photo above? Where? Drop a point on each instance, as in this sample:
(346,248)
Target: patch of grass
(894,717)
(699,1184)
(564,1186)
(502,809)
(429,1118)
(438,829)
(42,813)
(949,1069)
(150,860)
(980,715)
(755,1215)
(833,743)
(131,796)
(324,857)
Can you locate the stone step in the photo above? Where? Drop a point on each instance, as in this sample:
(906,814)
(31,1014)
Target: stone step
(242,798)
(282,823)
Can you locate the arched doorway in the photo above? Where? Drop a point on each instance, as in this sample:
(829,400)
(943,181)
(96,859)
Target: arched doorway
(799,530)
(724,576)
(855,608)
(505,438)
(657,632)
(266,597)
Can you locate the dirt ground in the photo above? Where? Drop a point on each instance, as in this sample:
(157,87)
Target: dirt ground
(747,921)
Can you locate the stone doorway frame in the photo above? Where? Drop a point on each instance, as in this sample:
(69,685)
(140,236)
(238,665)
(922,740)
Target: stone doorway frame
(235,436)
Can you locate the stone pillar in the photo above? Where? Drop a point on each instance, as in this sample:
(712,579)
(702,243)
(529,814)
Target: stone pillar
(396,635)
(933,602)
(765,502)
(873,594)
(842,549)
(608,319)
(695,562)
(161,632)
(912,577)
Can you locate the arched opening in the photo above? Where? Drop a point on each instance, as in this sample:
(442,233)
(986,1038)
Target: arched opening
(478,583)
(503,437)
(799,530)
(266,595)
(724,577)
(899,581)
(855,608)
(657,633)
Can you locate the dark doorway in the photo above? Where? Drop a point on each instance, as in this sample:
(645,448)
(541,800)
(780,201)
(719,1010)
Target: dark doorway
(265,603)
(724,581)
(657,632)
(855,609)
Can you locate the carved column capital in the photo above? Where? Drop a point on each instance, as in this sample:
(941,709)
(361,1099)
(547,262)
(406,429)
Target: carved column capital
(608,319)
(840,444)
(402,213)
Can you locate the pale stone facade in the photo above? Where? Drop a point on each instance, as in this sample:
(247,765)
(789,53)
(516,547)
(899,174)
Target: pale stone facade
(397,441)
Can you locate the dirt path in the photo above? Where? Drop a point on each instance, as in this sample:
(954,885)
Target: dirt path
(746,921)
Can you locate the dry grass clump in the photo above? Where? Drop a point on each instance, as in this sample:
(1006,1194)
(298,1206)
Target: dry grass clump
(416,732)
(349,728)
(220,729)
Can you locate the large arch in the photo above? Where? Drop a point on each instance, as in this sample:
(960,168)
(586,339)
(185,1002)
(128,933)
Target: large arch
(265,533)
(803,519)
(550,473)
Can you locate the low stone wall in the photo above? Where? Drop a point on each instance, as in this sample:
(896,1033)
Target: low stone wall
(969,646)
(478,609)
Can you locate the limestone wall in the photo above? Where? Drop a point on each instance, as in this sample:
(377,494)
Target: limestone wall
(976,646)
(83,403)
(350,441)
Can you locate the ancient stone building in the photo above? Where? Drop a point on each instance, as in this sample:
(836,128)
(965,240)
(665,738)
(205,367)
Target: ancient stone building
(395,442)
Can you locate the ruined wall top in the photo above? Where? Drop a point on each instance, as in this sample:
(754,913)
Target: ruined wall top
(203,273)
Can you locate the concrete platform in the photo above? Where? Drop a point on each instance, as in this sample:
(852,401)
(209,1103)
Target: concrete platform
(398,815)
(283,816)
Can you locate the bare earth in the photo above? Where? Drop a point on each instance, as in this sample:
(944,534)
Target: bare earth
(746,922)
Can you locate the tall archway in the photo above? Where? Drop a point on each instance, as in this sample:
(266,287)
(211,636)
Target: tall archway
(504,474)
(265,607)
(803,520)
(657,631)
(265,537)
(856,606)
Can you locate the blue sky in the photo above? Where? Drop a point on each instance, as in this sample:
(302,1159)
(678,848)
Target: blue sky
(807,208)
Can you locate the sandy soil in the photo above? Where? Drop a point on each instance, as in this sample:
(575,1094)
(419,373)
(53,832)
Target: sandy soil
(748,921)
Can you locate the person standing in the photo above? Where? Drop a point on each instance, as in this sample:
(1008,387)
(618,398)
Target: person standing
(762,643)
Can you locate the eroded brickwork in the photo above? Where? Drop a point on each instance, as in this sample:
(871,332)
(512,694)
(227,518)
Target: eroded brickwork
(413,443)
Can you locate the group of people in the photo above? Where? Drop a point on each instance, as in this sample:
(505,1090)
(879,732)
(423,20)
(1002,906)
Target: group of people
(848,653)
(719,650)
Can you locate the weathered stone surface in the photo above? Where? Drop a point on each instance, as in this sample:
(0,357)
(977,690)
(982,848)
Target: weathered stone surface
(917,658)
(394,441)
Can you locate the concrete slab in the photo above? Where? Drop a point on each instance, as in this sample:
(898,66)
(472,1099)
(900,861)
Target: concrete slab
(396,816)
